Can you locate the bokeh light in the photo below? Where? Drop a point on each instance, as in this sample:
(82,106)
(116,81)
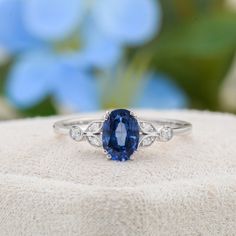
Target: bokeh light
(84,55)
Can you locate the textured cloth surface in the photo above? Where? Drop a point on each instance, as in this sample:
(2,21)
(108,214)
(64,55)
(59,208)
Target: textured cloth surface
(51,185)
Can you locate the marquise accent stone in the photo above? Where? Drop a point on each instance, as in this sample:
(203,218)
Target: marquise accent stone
(146,127)
(94,127)
(147,140)
(94,140)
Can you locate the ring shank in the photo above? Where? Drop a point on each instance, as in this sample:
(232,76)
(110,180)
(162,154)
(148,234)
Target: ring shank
(179,127)
(63,126)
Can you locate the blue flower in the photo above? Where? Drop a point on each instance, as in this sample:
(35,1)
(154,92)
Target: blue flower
(159,91)
(78,90)
(105,28)
(99,50)
(52,19)
(128,21)
(31,78)
(37,75)
(13,35)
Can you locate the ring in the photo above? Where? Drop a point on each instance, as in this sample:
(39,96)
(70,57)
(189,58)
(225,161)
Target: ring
(121,133)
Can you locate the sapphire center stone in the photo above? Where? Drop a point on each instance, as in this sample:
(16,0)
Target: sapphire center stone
(120,135)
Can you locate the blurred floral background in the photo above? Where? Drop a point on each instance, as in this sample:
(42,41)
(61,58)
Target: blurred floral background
(62,56)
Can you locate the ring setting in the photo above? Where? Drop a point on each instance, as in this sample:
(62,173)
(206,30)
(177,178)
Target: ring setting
(121,133)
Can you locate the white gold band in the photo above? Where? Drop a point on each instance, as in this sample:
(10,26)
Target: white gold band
(161,129)
(179,127)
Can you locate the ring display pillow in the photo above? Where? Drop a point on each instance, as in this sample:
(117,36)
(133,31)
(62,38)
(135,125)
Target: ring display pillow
(51,185)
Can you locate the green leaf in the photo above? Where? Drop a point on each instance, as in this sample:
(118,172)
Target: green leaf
(125,82)
(198,55)
(45,108)
(180,11)
(3,75)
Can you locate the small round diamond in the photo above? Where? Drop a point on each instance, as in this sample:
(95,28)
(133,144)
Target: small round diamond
(166,133)
(76,133)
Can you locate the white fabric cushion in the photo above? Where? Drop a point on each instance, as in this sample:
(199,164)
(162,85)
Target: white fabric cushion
(51,185)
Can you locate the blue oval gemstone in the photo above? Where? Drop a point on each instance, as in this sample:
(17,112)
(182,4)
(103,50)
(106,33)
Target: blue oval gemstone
(120,135)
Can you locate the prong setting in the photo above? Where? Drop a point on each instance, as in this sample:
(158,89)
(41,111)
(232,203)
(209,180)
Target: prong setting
(107,115)
(132,157)
(133,114)
(108,156)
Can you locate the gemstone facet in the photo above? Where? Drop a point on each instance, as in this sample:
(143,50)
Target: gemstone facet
(120,135)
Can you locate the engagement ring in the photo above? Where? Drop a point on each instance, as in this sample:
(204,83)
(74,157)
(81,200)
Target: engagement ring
(121,133)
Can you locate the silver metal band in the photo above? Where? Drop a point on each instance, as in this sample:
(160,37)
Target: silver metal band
(64,126)
(150,130)
(179,127)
